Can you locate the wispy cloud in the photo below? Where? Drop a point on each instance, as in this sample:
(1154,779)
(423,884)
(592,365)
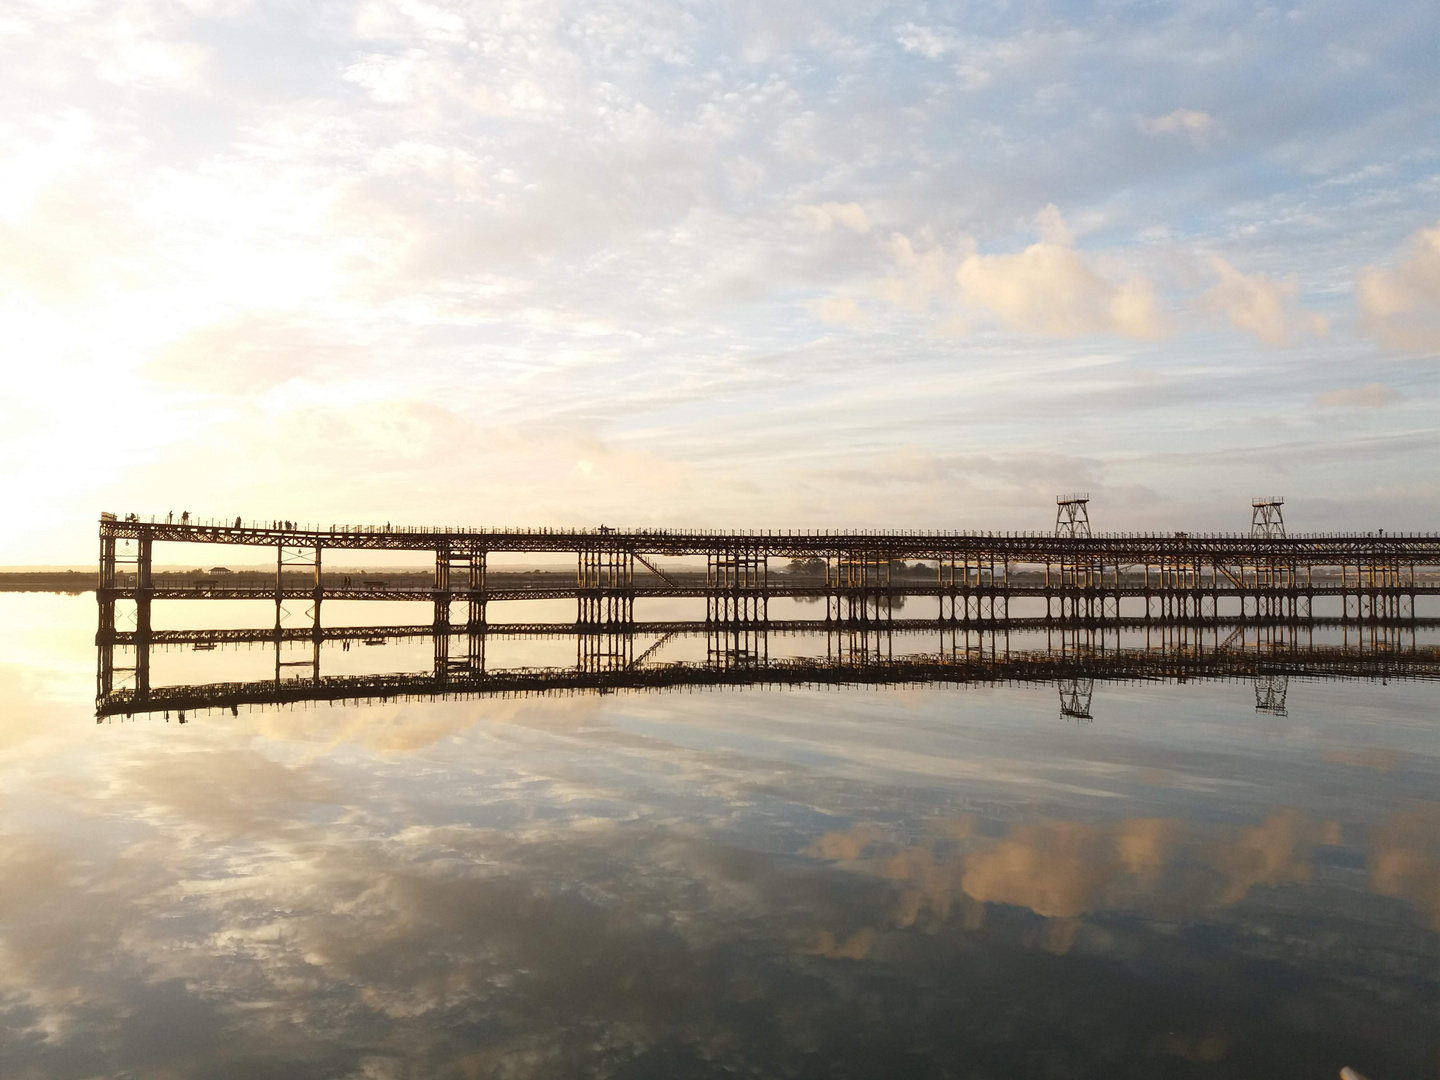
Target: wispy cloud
(1199,125)
(1401,306)
(1256,304)
(1050,288)
(1370,396)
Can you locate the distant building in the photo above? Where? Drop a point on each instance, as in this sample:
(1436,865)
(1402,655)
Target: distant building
(221,570)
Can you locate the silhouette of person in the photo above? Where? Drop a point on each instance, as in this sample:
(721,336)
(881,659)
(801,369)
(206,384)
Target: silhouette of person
(185,518)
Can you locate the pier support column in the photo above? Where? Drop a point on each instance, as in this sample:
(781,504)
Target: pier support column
(606,588)
(857,645)
(440,635)
(144,589)
(459,567)
(105,588)
(598,651)
(105,631)
(475,602)
(734,645)
(737,588)
(302,556)
(440,589)
(279,593)
(855,583)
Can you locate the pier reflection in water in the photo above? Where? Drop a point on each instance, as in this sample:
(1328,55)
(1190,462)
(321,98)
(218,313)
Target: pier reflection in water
(653,656)
(872,855)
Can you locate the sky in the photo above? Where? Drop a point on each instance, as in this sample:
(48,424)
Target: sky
(733,265)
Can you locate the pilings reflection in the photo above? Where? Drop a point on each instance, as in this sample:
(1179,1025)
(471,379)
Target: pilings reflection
(1073,655)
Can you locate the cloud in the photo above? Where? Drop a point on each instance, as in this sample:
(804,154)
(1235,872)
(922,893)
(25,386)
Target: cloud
(1401,307)
(1063,869)
(923,273)
(1200,126)
(847,844)
(1370,396)
(854,947)
(1059,868)
(1050,288)
(252,353)
(1052,228)
(1260,306)
(824,217)
(1405,859)
(1267,854)
(837,309)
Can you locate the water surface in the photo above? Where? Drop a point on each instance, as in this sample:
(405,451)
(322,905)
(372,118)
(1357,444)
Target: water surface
(914,882)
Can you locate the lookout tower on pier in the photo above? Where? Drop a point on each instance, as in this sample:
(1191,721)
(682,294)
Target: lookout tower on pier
(1072,515)
(1266,520)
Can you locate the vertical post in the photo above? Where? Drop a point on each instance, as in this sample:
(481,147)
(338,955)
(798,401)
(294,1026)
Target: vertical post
(475,614)
(318,593)
(279,604)
(316,633)
(144,587)
(440,593)
(105,635)
(441,634)
(104,593)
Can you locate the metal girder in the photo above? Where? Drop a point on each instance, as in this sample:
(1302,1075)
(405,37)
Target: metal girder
(1037,548)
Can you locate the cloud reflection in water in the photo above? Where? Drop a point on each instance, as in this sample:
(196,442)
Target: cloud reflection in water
(902,883)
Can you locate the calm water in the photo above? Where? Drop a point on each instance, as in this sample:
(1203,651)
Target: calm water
(923,882)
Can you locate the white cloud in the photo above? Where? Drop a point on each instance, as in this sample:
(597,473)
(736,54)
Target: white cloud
(826,216)
(1052,228)
(1050,288)
(1200,126)
(924,272)
(837,309)
(1402,306)
(1256,304)
(1370,396)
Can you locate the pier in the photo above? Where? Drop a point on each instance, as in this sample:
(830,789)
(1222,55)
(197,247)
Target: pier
(986,585)
(1072,656)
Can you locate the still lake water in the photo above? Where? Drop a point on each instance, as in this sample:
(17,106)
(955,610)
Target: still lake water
(918,882)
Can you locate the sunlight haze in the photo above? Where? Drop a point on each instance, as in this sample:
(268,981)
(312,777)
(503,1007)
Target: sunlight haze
(749,265)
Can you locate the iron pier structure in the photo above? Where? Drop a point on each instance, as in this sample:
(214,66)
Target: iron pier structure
(1073,656)
(1068,577)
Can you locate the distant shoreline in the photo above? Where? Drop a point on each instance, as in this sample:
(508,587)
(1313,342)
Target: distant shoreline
(57,581)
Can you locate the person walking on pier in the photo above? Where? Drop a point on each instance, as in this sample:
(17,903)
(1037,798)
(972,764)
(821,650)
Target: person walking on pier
(185,517)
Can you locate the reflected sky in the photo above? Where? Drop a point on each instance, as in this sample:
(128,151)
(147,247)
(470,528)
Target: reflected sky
(916,882)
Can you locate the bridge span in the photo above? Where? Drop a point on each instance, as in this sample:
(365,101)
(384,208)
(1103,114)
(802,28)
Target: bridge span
(859,575)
